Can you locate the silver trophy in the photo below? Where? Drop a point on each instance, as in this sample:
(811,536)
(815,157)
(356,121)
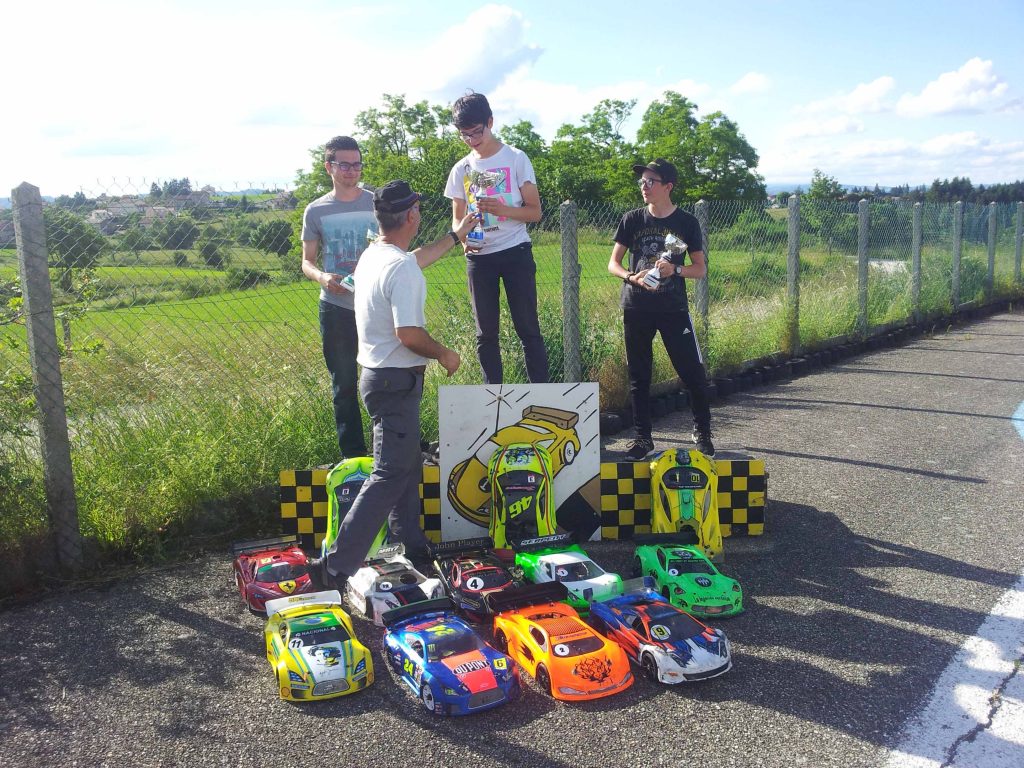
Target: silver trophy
(480,181)
(673,247)
(484,180)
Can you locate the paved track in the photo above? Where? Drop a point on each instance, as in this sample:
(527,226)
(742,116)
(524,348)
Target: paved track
(893,528)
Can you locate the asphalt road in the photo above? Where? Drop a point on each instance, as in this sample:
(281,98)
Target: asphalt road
(893,527)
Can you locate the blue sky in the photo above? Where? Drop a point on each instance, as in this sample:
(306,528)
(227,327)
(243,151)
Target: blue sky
(109,95)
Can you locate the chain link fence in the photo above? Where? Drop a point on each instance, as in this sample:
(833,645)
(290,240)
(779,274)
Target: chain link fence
(189,353)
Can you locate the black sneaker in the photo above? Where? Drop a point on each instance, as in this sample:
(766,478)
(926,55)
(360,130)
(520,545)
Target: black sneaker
(639,448)
(702,437)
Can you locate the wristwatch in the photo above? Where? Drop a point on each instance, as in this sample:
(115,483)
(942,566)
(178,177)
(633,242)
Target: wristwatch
(679,269)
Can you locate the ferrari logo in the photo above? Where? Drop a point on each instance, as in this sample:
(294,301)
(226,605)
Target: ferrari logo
(286,586)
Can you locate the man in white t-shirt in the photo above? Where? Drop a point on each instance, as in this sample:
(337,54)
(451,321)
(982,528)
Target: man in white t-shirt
(506,198)
(394,349)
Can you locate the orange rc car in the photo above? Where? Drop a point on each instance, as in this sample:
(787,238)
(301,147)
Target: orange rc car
(566,657)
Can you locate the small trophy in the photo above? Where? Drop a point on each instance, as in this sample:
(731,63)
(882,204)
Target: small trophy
(673,247)
(476,182)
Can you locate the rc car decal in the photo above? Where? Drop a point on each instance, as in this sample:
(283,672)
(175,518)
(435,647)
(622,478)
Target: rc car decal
(474,583)
(295,642)
(595,670)
(384,586)
(500,664)
(660,632)
(286,586)
(703,581)
(561,650)
(469,666)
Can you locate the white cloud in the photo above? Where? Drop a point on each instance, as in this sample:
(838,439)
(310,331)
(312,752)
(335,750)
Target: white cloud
(752,82)
(866,98)
(835,126)
(971,89)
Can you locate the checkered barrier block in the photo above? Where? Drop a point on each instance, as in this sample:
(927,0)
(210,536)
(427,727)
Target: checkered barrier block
(304,504)
(626,497)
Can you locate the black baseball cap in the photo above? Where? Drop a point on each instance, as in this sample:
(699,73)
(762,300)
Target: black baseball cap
(665,170)
(395,197)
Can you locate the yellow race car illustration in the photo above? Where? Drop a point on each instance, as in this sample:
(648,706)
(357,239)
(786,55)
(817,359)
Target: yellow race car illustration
(313,649)
(553,429)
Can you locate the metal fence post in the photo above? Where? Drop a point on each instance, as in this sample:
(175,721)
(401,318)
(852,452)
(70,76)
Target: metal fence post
(915,269)
(58,478)
(958,244)
(990,276)
(1018,241)
(862,267)
(703,294)
(793,277)
(570,292)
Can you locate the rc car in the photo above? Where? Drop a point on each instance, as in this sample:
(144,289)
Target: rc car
(566,657)
(522,499)
(684,497)
(270,568)
(669,645)
(312,648)
(686,577)
(469,572)
(552,429)
(556,558)
(389,580)
(444,662)
(343,484)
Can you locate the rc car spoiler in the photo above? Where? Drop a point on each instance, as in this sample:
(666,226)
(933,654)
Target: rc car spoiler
(404,612)
(257,544)
(521,597)
(385,553)
(461,546)
(555,541)
(688,536)
(328,597)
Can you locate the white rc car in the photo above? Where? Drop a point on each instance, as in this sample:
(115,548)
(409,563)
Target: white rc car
(389,580)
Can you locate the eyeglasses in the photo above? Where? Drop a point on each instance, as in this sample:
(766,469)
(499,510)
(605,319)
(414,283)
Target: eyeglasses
(476,133)
(346,167)
(644,183)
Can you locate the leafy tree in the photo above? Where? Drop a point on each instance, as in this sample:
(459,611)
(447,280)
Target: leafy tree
(176,187)
(724,162)
(135,239)
(826,214)
(272,237)
(213,247)
(155,192)
(177,232)
(73,244)
(77,202)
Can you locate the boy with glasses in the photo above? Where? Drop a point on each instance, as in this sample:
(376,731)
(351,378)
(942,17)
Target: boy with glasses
(506,255)
(335,227)
(653,300)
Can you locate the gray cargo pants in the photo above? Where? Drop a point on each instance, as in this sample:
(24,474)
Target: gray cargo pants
(392,398)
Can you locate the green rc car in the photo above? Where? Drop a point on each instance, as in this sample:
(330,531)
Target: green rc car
(556,558)
(686,577)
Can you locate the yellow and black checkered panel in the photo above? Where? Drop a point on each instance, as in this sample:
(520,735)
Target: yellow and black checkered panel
(304,504)
(626,498)
(742,494)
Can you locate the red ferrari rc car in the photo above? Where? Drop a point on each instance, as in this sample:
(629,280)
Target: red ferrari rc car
(270,568)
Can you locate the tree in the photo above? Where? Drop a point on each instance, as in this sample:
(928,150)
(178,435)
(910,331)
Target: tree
(272,237)
(823,210)
(72,243)
(213,247)
(177,232)
(155,192)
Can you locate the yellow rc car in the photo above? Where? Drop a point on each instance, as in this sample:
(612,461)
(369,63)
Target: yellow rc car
(684,498)
(313,649)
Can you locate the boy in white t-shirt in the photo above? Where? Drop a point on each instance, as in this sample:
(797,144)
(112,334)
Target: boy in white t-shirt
(506,197)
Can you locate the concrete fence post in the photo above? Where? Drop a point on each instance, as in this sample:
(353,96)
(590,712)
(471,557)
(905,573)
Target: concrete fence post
(1018,240)
(48,386)
(863,232)
(958,244)
(792,340)
(915,268)
(703,294)
(990,275)
(572,370)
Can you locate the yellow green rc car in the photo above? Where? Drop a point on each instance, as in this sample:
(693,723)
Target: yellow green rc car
(685,576)
(313,649)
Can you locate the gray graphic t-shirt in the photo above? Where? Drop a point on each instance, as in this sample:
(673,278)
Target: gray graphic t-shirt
(341,227)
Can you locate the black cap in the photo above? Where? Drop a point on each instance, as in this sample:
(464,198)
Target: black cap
(665,170)
(395,197)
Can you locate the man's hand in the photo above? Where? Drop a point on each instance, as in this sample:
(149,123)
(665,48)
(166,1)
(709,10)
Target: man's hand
(638,279)
(331,283)
(449,360)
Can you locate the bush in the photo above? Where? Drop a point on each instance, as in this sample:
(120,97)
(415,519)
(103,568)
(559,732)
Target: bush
(180,259)
(246,277)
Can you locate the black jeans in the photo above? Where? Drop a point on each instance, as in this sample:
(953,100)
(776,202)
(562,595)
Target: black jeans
(516,268)
(676,331)
(340,344)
